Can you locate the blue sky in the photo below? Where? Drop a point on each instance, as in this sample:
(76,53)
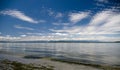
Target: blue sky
(60,20)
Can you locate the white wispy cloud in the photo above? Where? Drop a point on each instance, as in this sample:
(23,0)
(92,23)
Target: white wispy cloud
(101,17)
(54,14)
(42,21)
(19,15)
(103,1)
(23,35)
(59,15)
(34,34)
(8,37)
(104,22)
(71,30)
(100,4)
(60,23)
(50,12)
(22,27)
(76,17)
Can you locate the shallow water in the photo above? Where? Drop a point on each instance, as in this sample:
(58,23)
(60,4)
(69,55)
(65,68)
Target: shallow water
(93,53)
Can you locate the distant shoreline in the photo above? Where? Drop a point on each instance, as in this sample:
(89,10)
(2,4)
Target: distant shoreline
(58,42)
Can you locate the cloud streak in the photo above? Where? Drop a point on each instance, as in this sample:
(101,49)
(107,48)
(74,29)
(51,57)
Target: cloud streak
(21,27)
(76,17)
(103,1)
(59,23)
(59,15)
(19,15)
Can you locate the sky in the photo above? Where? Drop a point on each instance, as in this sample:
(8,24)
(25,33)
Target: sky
(60,20)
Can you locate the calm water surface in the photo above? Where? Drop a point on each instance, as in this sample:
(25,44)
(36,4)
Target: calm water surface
(98,53)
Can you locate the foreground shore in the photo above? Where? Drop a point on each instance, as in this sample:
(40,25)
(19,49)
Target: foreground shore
(15,63)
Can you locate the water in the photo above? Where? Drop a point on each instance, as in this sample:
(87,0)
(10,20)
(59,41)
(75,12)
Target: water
(96,53)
